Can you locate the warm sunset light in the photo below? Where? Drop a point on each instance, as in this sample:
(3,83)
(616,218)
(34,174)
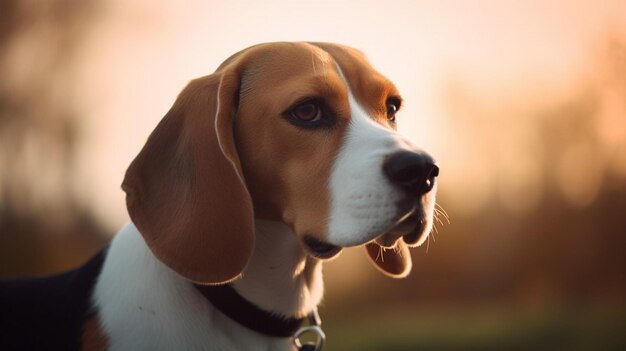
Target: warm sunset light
(523,104)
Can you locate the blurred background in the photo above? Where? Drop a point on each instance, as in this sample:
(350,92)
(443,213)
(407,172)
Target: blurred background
(522,103)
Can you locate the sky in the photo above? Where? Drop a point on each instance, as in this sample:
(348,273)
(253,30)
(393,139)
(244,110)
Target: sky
(139,55)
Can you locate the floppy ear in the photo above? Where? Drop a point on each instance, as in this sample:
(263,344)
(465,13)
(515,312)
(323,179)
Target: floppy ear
(394,262)
(185,191)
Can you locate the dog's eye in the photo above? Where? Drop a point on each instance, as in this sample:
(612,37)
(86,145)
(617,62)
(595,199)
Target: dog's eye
(307,112)
(312,114)
(393,105)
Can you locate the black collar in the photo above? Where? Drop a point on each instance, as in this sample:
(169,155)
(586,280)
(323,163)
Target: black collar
(226,299)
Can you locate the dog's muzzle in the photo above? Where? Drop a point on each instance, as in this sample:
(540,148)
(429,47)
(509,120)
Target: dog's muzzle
(415,174)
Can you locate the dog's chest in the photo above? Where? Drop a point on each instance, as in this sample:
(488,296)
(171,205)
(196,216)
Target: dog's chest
(144,305)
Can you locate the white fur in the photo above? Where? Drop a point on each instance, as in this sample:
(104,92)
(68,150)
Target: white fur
(280,276)
(144,305)
(363,200)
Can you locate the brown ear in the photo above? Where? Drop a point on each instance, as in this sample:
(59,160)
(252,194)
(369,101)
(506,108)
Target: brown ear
(185,191)
(394,262)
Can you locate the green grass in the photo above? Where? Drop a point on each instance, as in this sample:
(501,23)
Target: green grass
(596,329)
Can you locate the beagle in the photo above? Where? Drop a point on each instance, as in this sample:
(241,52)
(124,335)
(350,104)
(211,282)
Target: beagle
(260,172)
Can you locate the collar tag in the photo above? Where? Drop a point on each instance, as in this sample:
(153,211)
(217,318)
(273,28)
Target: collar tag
(315,330)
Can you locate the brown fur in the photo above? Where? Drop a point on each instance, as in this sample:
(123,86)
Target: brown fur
(93,338)
(185,190)
(225,154)
(370,88)
(287,169)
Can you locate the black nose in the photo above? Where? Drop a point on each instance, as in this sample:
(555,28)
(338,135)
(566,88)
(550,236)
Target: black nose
(414,172)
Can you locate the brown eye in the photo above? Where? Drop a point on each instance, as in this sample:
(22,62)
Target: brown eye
(307,112)
(392,108)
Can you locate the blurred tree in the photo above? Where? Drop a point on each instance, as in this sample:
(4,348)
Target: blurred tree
(563,248)
(41,227)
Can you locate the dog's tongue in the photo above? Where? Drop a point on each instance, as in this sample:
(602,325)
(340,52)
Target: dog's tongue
(395,262)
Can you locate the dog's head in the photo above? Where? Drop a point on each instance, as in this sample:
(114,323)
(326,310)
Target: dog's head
(302,133)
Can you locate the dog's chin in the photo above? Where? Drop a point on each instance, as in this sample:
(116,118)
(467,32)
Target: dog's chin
(413,229)
(320,249)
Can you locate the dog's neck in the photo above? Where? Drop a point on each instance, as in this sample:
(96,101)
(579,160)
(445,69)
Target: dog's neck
(137,290)
(280,277)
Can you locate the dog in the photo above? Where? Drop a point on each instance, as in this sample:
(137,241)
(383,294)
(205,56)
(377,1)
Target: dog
(259,172)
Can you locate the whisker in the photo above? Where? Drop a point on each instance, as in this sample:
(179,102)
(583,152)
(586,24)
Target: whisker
(380,254)
(433,231)
(397,250)
(442,213)
(436,216)
(440,209)
(438,212)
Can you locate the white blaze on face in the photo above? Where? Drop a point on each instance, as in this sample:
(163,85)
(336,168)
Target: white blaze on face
(363,200)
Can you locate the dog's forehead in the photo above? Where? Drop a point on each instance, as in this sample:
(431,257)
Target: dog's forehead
(327,68)
(369,87)
(274,63)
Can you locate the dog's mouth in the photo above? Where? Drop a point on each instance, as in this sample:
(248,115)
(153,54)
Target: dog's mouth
(320,249)
(411,228)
